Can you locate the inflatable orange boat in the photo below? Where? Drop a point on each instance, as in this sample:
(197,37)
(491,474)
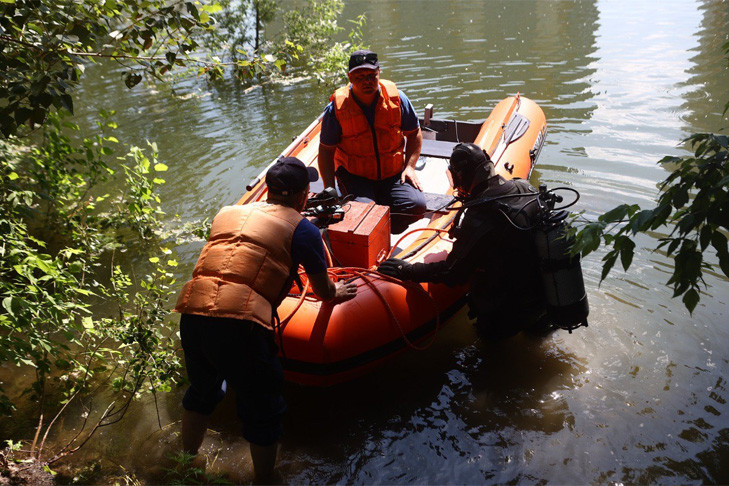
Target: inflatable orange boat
(324,344)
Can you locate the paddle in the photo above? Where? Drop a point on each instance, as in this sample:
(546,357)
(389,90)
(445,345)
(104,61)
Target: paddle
(515,129)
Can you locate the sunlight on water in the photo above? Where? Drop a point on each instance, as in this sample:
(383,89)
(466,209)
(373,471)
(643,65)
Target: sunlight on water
(638,397)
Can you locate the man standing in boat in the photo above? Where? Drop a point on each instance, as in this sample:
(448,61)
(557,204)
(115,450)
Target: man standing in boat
(370,141)
(229,309)
(494,249)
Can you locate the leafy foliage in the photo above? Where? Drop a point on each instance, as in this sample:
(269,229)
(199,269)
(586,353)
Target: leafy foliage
(186,471)
(58,237)
(45,43)
(304,46)
(73,312)
(693,203)
(311,29)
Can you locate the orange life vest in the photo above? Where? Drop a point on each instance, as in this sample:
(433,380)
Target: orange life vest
(372,152)
(244,269)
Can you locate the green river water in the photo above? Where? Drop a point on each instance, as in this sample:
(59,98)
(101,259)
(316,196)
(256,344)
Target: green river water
(637,397)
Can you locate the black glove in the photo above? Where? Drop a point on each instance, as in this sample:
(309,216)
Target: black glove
(396,268)
(327,193)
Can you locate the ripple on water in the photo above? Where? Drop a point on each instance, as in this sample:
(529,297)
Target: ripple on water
(620,89)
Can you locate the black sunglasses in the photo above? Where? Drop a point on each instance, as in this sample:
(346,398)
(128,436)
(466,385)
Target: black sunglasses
(360,59)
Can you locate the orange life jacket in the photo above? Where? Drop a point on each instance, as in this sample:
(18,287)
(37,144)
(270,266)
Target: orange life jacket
(245,268)
(372,152)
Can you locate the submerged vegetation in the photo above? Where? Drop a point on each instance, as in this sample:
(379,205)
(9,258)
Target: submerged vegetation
(86,265)
(60,264)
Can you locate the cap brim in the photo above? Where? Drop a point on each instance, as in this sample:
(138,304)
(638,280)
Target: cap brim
(365,66)
(313,174)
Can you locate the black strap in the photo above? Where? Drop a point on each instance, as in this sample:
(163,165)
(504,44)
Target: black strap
(276,321)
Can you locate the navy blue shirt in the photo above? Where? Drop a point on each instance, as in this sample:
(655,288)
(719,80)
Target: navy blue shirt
(307,248)
(331,130)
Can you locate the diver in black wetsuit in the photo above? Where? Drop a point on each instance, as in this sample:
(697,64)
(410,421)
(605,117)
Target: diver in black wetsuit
(490,251)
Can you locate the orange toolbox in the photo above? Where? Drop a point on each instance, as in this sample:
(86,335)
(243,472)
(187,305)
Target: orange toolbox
(362,238)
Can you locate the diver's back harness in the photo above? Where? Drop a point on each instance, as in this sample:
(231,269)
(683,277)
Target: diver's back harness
(559,269)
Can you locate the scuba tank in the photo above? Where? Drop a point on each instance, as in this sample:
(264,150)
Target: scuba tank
(561,273)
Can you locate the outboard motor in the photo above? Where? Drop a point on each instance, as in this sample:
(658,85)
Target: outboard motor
(561,273)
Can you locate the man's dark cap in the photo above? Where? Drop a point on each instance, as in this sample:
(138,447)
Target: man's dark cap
(289,175)
(363,59)
(467,156)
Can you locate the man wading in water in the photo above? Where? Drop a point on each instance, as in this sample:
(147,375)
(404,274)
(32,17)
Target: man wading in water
(228,307)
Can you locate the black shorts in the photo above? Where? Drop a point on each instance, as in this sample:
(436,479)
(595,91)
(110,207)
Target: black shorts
(244,354)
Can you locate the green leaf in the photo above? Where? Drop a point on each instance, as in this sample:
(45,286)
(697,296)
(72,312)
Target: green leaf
(154,259)
(674,244)
(75,267)
(87,322)
(132,79)
(661,214)
(616,214)
(67,102)
(8,305)
(680,197)
(705,236)
(627,247)
(641,221)
(609,261)
(213,8)
(690,299)
(719,242)
(44,266)
(27,362)
(160,167)
(588,240)
(724,264)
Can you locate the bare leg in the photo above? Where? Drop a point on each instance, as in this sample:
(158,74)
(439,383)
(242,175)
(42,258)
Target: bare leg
(194,426)
(264,460)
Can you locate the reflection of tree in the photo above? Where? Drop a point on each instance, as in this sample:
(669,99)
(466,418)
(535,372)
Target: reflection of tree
(464,57)
(565,44)
(709,74)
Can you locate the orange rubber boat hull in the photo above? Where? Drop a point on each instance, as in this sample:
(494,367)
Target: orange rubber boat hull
(323,344)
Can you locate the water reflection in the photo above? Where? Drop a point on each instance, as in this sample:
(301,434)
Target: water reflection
(637,397)
(707,89)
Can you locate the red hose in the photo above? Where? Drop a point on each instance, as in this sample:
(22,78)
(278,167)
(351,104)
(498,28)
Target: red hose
(345,273)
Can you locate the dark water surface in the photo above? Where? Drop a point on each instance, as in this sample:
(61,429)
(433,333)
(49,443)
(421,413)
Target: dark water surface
(638,397)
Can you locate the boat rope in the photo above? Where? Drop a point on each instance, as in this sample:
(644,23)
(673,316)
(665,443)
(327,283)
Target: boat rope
(427,228)
(365,274)
(345,273)
(299,303)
